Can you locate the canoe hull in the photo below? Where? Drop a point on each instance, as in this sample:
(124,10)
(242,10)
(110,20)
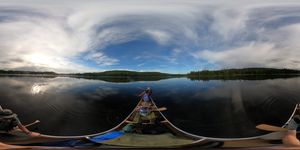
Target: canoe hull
(173,137)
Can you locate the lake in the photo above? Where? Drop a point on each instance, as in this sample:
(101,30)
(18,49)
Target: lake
(215,108)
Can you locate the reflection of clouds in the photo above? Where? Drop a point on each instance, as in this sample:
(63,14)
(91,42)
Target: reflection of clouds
(101,92)
(62,84)
(58,101)
(38,88)
(214,90)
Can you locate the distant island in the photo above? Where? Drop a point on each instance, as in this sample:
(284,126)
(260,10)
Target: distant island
(125,73)
(244,73)
(127,76)
(116,73)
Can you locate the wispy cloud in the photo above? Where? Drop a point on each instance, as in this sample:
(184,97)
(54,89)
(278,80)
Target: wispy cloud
(160,36)
(101,59)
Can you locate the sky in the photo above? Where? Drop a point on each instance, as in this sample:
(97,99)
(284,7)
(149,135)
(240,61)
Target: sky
(174,36)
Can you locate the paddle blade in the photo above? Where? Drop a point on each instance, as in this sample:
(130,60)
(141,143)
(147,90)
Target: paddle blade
(161,109)
(271,128)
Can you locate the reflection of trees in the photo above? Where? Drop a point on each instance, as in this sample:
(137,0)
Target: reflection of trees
(29,75)
(124,79)
(125,76)
(241,77)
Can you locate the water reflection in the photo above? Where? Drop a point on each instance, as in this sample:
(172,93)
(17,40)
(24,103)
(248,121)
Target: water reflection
(38,88)
(217,108)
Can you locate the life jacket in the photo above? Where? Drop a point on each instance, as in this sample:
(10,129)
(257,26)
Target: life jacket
(7,120)
(146,97)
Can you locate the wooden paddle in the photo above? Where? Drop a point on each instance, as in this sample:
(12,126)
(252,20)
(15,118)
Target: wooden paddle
(271,128)
(33,123)
(160,109)
(27,125)
(17,128)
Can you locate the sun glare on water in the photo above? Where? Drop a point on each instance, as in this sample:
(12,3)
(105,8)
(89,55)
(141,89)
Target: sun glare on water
(37,89)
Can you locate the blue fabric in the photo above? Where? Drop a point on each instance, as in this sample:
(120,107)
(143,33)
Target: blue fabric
(106,136)
(146,97)
(143,111)
(69,143)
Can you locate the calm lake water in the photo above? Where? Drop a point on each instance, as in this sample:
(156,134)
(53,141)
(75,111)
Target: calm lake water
(215,108)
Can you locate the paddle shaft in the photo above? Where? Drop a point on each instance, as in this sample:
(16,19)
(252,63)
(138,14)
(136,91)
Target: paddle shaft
(160,109)
(27,125)
(157,109)
(33,123)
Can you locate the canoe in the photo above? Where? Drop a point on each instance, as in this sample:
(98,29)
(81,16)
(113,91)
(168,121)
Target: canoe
(161,134)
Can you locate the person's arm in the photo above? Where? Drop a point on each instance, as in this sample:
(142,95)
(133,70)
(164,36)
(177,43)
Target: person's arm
(23,128)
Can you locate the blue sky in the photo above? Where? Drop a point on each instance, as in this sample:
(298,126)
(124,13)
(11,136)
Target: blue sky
(175,36)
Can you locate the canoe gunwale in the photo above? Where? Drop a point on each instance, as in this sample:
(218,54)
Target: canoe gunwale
(197,140)
(226,139)
(96,134)
(179,131)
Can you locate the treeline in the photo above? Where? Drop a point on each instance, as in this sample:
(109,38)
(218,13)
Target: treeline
(27,72)
(112,73)
(241,73)
(125,73)
(204,74)
(124,79)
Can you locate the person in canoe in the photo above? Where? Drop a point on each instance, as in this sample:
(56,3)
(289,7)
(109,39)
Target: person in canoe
(145,110)
(10,122)
(145,95)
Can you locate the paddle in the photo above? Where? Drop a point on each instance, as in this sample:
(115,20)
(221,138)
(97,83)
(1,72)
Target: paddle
(33,123)
(271,128)
(16,129)
(27,125)
(160,109)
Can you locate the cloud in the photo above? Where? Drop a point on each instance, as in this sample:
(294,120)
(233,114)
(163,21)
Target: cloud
(252,55)
(38,42)
(101,59)
(56,35)
(260,36)
(160,36)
